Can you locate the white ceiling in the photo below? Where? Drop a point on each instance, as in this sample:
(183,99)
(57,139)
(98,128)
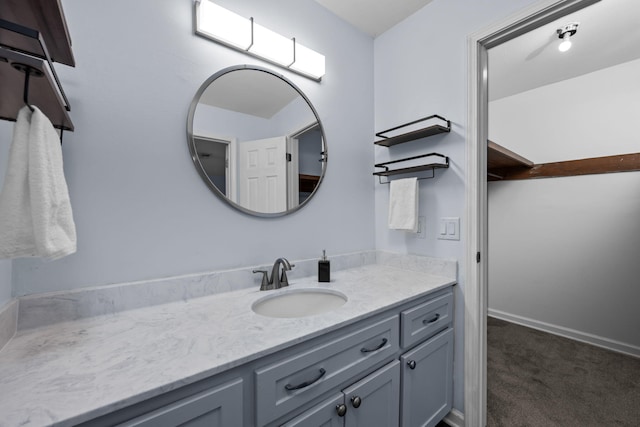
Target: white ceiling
(250,92)
(608,35)
(373,17)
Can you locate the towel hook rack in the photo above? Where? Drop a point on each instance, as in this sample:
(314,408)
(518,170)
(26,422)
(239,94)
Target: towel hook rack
(413,168)
(28,72)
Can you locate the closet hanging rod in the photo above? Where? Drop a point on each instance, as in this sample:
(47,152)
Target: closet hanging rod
(34,34)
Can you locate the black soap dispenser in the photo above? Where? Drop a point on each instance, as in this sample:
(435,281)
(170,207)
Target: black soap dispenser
(324,268)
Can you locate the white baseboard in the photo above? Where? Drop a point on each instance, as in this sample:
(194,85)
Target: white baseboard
(454,418)
(584,337)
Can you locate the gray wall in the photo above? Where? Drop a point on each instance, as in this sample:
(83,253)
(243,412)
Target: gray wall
(564,256)
(5,281)
(592,115)
(577,239)
(141,210)
(421,69)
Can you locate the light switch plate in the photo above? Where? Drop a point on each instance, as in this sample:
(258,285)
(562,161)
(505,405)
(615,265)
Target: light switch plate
(451,228)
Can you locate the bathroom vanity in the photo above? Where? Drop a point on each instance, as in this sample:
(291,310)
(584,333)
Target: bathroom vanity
(384,358)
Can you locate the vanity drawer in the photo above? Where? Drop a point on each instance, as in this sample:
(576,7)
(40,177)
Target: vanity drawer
(284,386)
(425,320)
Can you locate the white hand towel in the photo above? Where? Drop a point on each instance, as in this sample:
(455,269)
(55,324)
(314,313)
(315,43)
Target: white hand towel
(403,204)
(35,210)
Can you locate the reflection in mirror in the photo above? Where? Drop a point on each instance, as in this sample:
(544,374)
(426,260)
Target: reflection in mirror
(256,140)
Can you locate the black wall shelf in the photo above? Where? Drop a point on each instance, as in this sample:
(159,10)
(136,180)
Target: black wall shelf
(442,163)
(409,162)
(434,129)
(33,34)
(44,16)
(43,91)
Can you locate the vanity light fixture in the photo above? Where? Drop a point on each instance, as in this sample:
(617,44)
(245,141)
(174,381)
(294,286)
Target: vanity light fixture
(565,33)
(230,29)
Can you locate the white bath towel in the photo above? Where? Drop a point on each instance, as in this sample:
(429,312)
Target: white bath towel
(35,210)
(403,204)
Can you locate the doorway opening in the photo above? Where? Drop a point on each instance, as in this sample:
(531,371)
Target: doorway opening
(476,265)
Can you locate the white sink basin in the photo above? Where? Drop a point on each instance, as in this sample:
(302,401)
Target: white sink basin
(299,302)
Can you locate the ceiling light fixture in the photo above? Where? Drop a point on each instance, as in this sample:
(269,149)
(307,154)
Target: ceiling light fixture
(565,33)
(223,26)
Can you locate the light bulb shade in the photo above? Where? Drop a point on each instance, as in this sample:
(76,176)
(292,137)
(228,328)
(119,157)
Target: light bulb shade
(309,62)
(566,43)
(271,45)
(222,25)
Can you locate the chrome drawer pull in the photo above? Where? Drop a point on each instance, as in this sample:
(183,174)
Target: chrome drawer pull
(370,350)
(433,319)
(306,383)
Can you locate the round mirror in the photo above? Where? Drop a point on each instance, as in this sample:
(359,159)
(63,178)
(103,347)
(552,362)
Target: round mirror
(256,141)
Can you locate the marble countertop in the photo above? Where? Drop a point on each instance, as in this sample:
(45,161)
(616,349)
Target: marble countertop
(71,372)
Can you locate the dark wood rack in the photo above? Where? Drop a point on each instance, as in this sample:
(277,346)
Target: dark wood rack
(44,16)
(502,161)
(504,164)
(43,93)
(33,33)
(435,129)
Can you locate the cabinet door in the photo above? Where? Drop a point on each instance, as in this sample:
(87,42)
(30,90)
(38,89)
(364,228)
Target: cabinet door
(324,414)
(375,400)
(288,384)
(218,407)
(427,381)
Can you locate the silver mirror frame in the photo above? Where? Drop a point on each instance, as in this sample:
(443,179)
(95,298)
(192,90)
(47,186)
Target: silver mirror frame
(194,156)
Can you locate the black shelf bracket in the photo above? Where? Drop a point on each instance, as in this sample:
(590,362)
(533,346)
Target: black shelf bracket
(411,169)
(388,141)
(33,34)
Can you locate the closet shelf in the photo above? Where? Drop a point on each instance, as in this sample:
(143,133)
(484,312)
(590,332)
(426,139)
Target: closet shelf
(500,160)
(45,17)
(410,135)
(412,168)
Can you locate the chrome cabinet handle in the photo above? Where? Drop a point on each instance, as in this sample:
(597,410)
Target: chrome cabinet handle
(370,350)
(341,409)
(306,383)
(432,320)
(356,401)
(412,364)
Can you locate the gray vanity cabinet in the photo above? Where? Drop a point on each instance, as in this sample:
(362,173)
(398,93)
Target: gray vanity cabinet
(290,383)
(217,407)
(372,401)
(427,381)
(392,368)
(375,400)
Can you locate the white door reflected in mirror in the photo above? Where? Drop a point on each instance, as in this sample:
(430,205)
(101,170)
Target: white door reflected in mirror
(256,141)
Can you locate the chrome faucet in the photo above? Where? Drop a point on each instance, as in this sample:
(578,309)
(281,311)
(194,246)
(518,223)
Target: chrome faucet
(278,276)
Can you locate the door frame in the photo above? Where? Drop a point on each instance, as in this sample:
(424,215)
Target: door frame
(476,269)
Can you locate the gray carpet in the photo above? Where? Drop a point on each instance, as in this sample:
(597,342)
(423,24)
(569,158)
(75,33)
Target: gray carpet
(539,379)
